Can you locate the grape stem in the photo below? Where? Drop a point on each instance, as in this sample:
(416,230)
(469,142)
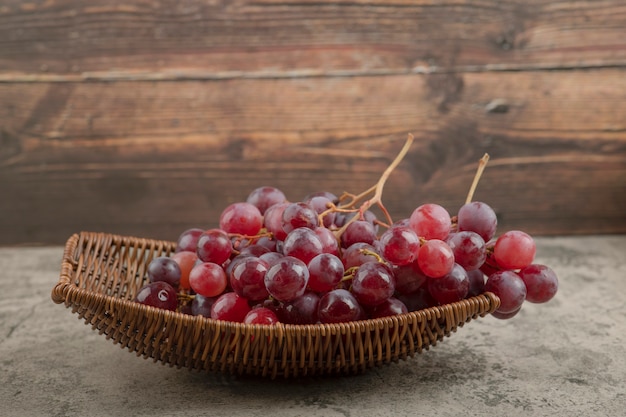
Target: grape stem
(479,172)
(377,189)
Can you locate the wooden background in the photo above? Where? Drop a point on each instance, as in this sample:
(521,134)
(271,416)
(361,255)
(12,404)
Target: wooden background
(145,117)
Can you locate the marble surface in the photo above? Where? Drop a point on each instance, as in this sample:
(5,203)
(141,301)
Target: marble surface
(564,358)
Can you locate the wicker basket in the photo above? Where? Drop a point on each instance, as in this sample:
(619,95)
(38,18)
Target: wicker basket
(101,273)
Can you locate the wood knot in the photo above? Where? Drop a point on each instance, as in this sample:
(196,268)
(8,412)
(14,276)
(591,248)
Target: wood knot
(497,106)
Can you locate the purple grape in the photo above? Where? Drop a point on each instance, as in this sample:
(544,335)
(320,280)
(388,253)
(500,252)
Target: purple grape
(158,294)
(164,269)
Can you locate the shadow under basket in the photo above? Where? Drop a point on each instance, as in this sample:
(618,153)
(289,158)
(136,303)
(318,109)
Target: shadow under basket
(101,274)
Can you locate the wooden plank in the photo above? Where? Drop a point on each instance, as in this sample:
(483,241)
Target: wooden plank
(153,158)
(155,40)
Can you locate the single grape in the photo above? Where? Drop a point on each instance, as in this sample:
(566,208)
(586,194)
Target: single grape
(271,257)
(208,279)
(321,204)
(541,283)
(166,269)
(431,221)
(435,258)
(478,217)
(254,250)
(373,283)
(505,316)
(201,306)
(273,221)
(409,278)
(242,218)
(329,242)
(327,194)
(399,245)
(514,250)
(469,249)
(358,254)
(158,294)
(265,197)
(358,231)
(261,315)
(450,288)
(287,279)
(267,242)
(187,241)
(186,261)
(215,246)
(302,310)
(509,287)
(299,215)
(230,307)
(389,307)
(338,306)
(325,272)
(418,300)
(302,243)
(476,281)
(247,278)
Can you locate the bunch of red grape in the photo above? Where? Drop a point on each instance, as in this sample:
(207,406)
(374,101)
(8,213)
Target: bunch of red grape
(325,260)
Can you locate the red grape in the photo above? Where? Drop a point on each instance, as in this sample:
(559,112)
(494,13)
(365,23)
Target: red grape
(469,249)
(287,279)
(541,283)
(242,218)
(478,217)
(373,283)
(509,287)
(247,278)
(450,288)
(230,307)
(325,272)
(302,310)
(476,281)
(188,240)
(358,231)
(214,246)
(302,243)
(338,306)
(273,220)
(329,242)
(431,221)
(435,258)
(356,254)
(409,278)
(399,245)
(389,307)
(265,197)
(261,315)
(158,294)
(208,279)
(514,250)
(299,215)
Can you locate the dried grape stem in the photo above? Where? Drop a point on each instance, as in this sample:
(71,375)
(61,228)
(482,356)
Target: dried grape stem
(479,172)
(378,188)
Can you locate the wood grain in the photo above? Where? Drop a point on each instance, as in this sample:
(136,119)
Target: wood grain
(147,117)
(156,40)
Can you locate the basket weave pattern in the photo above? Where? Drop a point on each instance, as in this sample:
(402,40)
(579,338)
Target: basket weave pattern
(101,274)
